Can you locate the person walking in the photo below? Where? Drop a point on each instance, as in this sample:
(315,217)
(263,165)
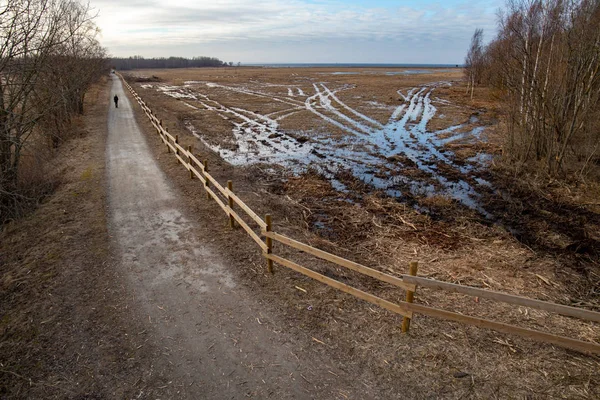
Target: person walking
(116,99)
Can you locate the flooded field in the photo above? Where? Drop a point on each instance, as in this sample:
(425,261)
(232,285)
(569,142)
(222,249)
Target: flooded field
(396,131)
(384,167)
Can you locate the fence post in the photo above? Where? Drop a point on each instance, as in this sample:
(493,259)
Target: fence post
(230,200)
(177,148)
(409,295)
(269,242)
(168,147)
(206,182)
(190,161)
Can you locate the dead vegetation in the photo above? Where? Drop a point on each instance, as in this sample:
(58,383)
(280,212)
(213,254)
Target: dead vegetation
(49,58)
(66,330)
(452,243)
(143,79)
(544,64)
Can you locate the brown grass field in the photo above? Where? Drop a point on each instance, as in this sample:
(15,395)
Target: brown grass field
(298,144)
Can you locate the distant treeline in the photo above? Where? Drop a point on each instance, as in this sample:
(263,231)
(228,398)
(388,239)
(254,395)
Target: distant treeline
(138,62)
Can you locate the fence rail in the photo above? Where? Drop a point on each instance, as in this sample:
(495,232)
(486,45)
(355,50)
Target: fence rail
(341,261)
(505,298)
(227,199)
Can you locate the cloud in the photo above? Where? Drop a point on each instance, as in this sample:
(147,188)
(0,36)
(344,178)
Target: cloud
(159,24)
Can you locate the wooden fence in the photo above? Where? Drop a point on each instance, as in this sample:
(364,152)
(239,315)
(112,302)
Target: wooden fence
(227,200)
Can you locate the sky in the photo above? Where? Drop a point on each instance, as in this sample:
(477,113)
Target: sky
(296,31)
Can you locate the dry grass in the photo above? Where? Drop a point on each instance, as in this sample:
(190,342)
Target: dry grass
(370,91)
(66,330)
(383,233)
(438,359)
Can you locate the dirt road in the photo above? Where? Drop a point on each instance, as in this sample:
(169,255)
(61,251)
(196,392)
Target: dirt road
(216,340)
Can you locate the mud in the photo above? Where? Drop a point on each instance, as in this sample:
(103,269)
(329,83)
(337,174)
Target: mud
(370,150)
(214,333)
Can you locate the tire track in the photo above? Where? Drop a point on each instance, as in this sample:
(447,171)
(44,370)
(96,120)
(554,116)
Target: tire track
(369,150)
(331,94)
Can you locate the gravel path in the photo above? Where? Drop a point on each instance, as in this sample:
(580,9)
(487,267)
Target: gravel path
(218,341)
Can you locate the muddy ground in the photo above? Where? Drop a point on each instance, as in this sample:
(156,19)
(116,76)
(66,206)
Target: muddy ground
(385,128)
(95,347)
(526,238)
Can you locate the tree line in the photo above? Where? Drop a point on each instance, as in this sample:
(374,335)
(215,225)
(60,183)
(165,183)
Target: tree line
(139,62)
(545,65)
(49,58)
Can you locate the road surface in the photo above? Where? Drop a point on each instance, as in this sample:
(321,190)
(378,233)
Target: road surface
(212,342)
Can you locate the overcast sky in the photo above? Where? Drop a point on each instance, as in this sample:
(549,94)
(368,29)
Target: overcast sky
(296,31)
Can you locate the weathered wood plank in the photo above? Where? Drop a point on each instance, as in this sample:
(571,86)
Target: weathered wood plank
(341,261)
(248,230)
(505,298)
(216,183)
(397,308)
(184,162)
(195,172)
(181,149)
(247,209)
(574,344)
(170,145)
(195,160)
(217,199)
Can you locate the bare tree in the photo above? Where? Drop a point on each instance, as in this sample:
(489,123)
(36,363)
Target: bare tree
(75,64)
(474,61)
(34,36)
(546,60)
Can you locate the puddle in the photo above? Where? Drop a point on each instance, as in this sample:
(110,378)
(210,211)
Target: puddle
(481,159)
(416,72)
(389,73)
(384,156)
